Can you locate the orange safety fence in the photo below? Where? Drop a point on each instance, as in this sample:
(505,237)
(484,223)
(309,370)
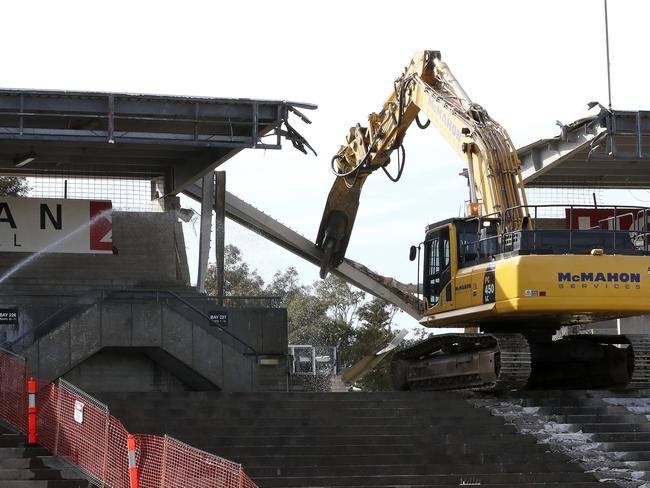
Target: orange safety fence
(79,428)
(13,391)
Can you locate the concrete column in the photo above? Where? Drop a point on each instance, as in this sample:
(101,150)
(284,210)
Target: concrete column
(207,201)
(220,228)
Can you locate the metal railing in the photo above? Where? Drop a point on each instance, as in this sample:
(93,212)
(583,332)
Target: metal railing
(53,320)
(313,360)
(621,229)
(211,322)
(88,300)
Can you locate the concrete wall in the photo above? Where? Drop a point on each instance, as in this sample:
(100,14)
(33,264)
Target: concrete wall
(146,245)
(150,253)
(265,329)
(105,341)
(201,357)
(123,370)
(36,306)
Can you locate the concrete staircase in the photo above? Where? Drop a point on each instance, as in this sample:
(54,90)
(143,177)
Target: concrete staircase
(32,467)
(61,303)
(608,432)
(353,439)
(162,339)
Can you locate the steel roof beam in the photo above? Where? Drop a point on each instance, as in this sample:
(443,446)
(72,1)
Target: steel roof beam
(354,273)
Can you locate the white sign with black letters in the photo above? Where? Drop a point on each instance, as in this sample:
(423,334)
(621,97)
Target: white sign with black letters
(53,225)
(9,316)
(78,412)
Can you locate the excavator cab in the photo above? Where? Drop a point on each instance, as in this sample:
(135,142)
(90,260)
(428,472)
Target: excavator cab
(438,267)
(441,259)
(450,246)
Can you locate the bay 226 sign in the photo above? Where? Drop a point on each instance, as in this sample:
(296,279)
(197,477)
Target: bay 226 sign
(57,226)
(9,316)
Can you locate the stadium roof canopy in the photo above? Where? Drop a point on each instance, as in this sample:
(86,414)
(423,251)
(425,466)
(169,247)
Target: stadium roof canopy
(609,150)
(116,134)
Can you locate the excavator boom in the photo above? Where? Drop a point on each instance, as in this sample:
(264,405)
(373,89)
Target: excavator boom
(427,85)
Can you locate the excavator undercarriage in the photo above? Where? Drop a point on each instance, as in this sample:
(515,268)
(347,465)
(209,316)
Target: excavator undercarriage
(506,361)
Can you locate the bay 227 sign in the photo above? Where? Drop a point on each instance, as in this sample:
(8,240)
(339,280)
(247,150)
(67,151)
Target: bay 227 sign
(218,318)
(56,226)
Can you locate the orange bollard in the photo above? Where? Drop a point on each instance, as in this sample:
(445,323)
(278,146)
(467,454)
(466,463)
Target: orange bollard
(31,411)
(133,468)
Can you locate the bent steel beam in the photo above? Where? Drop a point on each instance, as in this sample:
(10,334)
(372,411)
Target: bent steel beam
(354,273)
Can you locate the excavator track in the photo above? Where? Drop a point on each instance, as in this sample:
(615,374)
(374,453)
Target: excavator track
(515,362)
(621,361)
(641,370)
(464,361)
(508,361)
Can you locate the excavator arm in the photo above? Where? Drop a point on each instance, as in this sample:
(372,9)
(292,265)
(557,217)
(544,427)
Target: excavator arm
(427,85)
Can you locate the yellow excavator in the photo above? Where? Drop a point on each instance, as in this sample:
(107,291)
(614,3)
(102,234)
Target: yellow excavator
(517,273)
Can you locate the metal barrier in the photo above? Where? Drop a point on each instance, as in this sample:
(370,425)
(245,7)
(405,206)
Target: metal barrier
(76,426)
(313,360)
(193,304)
(615,229)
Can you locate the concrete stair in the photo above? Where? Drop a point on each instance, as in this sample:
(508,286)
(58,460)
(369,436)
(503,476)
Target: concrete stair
(606,431)
(32,467)
(353,439)
(62,303)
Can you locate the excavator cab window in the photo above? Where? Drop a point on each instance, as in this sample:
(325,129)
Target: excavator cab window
(437,249)
(478,241)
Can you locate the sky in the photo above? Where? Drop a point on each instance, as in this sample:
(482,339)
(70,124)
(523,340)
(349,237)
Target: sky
(529,63)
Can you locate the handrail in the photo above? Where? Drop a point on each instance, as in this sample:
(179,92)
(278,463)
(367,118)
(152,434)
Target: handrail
(103,296)
(206,316)
(13,354)
(585,205)
(273,301)
(45,321)
(638,230)
(269,298)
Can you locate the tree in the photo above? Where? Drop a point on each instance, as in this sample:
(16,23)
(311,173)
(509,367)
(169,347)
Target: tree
(323,314)
(377,313)
(286,285)
(328,313)
(372,334)
(306,316)
(342,301)
(308,320)
(239,279)
(332,313)
(14,186)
